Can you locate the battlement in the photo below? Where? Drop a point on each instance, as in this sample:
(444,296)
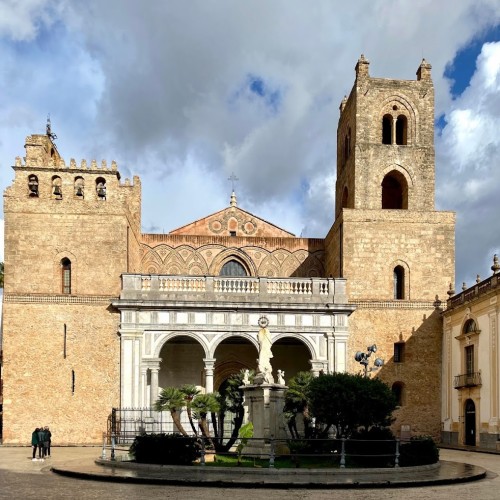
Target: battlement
(59,163)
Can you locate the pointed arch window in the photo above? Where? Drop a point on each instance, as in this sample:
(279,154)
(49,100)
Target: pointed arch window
(233,268)
(399,283)
(66,276)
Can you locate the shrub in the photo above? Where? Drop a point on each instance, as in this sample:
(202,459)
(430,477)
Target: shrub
(420,450)
(165,449)
(373,448)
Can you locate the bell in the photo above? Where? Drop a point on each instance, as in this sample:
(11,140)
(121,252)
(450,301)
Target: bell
(57,190)
(101,192)
(79,191)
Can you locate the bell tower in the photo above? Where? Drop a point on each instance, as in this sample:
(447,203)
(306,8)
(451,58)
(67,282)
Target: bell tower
(395,250)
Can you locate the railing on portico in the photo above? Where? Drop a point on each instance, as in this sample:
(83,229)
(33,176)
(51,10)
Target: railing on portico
(163,285)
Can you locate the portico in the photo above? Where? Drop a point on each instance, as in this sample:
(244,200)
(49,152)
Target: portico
(176,330)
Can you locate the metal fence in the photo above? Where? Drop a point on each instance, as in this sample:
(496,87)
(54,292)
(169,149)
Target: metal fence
(126,423)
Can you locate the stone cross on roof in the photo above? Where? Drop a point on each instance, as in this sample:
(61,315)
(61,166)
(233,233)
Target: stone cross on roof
(233,179)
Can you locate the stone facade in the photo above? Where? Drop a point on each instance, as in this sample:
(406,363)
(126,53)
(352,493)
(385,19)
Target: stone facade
(471,360)
(98,315)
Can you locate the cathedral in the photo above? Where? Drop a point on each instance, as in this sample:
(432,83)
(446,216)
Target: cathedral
(98,316)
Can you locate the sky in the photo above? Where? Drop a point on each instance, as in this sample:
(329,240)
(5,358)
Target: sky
(185,93)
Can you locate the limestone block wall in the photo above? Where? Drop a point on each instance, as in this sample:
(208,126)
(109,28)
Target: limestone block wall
(419,327)
(374,242)
(69,385)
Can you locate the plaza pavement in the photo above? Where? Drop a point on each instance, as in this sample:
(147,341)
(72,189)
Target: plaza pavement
(20,478)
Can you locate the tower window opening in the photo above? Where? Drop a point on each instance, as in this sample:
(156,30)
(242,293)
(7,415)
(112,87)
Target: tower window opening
(66,275)
(394,191)
(401,130)
(399,283)
(399,351)
(33,186)
(387,129)
(100,187)
(79,187)
(56,187)
(398,392)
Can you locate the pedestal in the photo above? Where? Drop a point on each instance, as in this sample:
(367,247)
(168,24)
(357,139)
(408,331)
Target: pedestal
(264,408)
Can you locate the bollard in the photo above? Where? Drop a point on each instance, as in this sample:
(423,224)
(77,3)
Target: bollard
(396,460)
(342,454)
(112,447)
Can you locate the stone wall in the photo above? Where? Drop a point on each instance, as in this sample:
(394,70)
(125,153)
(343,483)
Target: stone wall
(39,388)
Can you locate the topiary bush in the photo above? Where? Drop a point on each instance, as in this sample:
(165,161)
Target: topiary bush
(420,450)
(165,449)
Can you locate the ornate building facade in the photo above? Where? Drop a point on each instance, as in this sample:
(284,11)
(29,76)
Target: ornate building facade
(98,315)
(471,360)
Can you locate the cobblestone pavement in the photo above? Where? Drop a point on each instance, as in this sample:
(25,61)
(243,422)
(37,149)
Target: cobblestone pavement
(20,478)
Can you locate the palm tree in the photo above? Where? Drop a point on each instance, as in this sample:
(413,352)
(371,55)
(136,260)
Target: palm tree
(173,400)
(202,405)
(190,391)
(297,401)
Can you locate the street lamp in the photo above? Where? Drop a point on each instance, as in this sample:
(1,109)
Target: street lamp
(362,358)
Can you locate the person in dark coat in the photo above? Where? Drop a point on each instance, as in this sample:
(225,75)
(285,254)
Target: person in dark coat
(46,441)
(41,439)
(34,441)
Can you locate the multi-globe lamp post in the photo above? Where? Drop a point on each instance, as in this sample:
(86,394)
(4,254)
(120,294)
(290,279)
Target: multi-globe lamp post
(363,359)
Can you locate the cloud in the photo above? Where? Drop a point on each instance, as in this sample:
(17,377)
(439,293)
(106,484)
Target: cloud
(184,93)
(468,154)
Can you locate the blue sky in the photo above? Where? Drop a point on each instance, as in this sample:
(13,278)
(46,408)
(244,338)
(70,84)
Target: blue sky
(184,95)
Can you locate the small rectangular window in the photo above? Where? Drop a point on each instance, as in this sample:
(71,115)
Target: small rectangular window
(399,350)
(232,233)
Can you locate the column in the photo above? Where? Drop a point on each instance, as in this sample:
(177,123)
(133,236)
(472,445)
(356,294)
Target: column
(154,385)
(330,352)
(209,374)
(393,138)
(144,387)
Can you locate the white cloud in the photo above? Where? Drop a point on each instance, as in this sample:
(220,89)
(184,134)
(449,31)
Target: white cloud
(165,89)
(468,153)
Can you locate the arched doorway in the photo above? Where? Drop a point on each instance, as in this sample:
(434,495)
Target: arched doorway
(470,423)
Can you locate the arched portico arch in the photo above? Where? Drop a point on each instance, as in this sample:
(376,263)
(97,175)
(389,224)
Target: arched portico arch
(291,354)
(167,336)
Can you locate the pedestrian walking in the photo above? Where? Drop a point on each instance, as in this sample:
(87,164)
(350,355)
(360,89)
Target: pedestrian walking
(34,442)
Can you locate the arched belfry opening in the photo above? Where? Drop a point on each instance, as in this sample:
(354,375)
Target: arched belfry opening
(401,130)
(394,191)
(387,129)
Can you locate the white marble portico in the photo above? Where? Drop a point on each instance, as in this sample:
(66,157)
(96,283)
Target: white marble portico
(155,309)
